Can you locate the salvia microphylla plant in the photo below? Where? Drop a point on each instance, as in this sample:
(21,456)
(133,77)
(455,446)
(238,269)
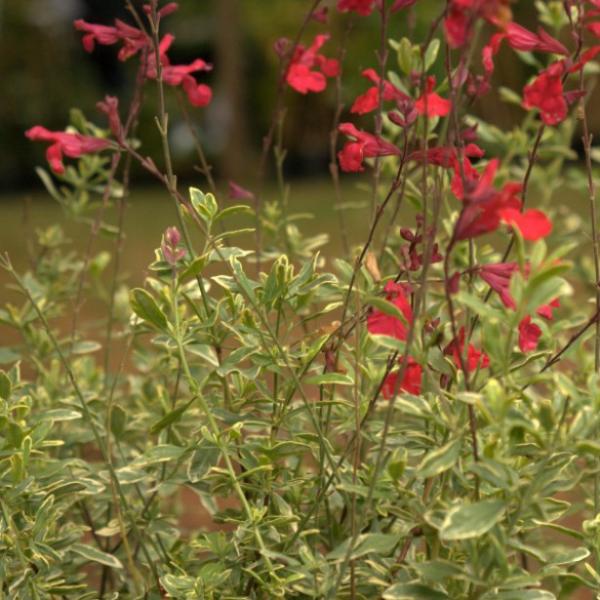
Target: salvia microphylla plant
(416,419)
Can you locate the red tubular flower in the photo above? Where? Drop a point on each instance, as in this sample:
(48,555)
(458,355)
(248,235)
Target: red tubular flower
(498,277)
(110,107)
(411,382)
(473,360)
(445,156)
(457,26)
(546,311)
(547,95)
(400,4)
(133,39)
(533,224)
(180,75)
(431,103)
(165,11)
(485,208)
(320,15)
(72,145)
(520,38)
(529,335)
(362,7)
(301,74)
(369,101)
(380,323)
(364,145)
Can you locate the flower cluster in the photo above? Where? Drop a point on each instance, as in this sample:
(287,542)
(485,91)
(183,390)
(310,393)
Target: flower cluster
(134,41)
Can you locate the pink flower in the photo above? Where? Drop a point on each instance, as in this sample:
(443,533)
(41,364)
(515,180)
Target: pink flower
(237,192)
(302,74)
(364,145)
(170,249)
(411,382)
(369,101)
(431,103)
(529,335)
(72,145)
(380,323)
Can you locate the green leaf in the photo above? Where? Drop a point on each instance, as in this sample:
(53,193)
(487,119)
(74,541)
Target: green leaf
(520,595)
(86,347)
(569,557)
(5,386)
(234,210)
(145,307)
(94,555)
(204,204)
(193,269)
(170,418)
(7,356)
(202,460)
(440,460)
(386,307)
(413,591)
(432,53)
(162,453)
(471,520)
(330,379)
(204,351)
(381,544)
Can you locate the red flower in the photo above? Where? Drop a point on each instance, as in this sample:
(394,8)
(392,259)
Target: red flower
(431,103)
(411,382)
(462,15)
(301,74)
(72,145)
(365,145)
(445,156)
(362,7)
(498,277)
(529,335)
(484,207)
(380,323)
(165,11)
(320,15)
(180,75)
(533,224)
(475,358)
(546,311)
(369,101)
(547,95)
(457,26)
(133,39)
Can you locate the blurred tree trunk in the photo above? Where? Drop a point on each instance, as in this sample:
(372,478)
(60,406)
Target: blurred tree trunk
(231,91)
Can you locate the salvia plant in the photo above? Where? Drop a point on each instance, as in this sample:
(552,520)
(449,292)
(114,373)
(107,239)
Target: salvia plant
(415,418)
